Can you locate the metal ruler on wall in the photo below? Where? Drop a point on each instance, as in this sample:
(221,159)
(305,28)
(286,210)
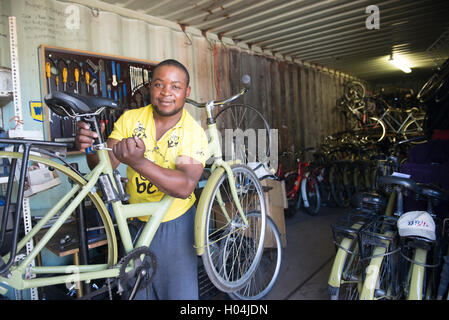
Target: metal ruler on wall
(19,126)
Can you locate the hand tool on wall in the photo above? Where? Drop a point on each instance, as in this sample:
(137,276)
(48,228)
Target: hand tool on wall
(119,83)
(92,65)
(87,78)
(54,70)
(48,72)
(77,78)
(57,82)
(114,77)
(131,77)
(64,78)
(102,78)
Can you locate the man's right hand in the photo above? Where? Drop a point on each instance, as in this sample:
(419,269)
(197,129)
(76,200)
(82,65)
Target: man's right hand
(84,136)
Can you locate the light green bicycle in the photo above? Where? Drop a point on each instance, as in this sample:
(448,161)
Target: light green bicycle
(228,234)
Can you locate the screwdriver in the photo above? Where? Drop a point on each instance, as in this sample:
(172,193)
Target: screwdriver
(77,78)
(57,82)
(47,70)
(87,76)
(64,78)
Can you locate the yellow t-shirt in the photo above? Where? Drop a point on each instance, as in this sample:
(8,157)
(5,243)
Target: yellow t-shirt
(186,138)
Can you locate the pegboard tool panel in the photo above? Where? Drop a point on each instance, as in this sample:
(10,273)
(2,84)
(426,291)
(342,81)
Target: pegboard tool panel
(88,73)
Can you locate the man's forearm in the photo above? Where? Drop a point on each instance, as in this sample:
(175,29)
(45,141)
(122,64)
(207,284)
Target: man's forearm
(172,182)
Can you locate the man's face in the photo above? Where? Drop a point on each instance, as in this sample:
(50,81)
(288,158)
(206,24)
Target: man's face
(169,90)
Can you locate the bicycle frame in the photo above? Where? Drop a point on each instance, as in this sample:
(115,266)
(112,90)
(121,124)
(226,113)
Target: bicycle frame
(18,277)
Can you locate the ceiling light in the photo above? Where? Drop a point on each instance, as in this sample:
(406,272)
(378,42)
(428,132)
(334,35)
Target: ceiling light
(400,63)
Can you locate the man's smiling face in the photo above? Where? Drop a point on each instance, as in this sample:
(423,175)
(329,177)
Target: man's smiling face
(169,90)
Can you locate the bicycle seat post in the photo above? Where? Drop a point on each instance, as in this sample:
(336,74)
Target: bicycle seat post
(95,126)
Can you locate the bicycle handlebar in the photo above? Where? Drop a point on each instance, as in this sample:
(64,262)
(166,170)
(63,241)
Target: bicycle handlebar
(246,80)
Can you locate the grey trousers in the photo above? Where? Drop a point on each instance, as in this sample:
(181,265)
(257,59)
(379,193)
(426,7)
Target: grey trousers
(176,277)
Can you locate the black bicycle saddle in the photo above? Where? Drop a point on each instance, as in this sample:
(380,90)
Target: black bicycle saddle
(64,103)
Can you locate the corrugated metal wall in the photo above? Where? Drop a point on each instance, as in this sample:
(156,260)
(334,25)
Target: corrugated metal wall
(298,100)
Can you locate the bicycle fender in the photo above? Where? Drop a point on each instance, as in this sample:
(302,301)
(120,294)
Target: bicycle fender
(201,210)
(417,279)
(372,271)
(339,261)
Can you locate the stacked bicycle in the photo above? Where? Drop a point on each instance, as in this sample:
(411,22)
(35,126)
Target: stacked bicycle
(374,118)
(301,184)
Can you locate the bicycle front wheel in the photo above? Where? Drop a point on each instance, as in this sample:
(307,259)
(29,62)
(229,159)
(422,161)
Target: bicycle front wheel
(245,132)
(233,247)
(311,194)
(267,272)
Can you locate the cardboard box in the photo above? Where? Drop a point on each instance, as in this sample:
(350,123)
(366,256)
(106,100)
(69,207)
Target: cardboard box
(275,200)
(40,179)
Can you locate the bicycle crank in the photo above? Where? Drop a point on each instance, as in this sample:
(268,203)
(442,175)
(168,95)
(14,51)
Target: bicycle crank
(136,272)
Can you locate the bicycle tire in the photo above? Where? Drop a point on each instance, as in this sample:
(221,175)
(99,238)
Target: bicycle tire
(244,117)
(414,128)
(442,92)
(268,270)
(336,181)
(354,91)
(375,129)
(310,193)
(227,267)
(428,90)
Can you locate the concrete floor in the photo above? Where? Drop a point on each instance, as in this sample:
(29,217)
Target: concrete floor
(308,256)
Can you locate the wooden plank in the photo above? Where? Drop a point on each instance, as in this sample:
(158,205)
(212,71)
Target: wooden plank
(302,105)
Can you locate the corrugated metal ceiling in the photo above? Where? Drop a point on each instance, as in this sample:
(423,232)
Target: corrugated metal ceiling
(331,33)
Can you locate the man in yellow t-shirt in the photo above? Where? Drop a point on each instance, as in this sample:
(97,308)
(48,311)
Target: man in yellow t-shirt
(165,150)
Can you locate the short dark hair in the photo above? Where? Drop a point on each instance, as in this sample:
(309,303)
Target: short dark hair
(174,63)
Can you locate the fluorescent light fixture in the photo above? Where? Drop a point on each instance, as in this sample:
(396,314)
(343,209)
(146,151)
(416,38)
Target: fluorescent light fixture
(400,63)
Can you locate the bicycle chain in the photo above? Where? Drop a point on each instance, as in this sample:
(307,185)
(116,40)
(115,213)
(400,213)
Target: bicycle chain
(149,266)
(123,275)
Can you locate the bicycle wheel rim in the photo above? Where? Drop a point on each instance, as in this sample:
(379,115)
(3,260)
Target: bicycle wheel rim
(414,128)
(223,259)
(267,273)
(73,177)
(245,117)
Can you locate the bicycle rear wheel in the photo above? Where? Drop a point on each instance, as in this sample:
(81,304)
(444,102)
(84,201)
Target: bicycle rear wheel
(232,248)
(49,205)
(267,272)
(414,128)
